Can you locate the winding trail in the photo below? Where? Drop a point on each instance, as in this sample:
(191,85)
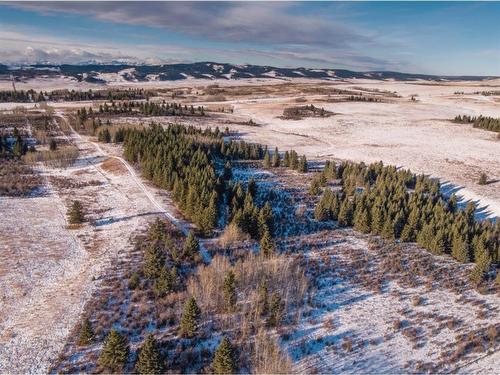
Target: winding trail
(178,223)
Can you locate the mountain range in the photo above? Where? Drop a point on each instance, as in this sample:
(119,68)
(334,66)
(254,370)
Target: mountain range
(100,73)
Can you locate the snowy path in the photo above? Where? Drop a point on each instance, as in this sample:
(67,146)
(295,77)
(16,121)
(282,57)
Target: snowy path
(178,223)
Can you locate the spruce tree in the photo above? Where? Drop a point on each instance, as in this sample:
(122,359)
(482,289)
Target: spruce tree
(114,353)
(75,213)
(229,290)
(191,246)
(276,158)
(483,262)
(86,333)
(149,360)
(345,213)
(163,283)
(302,167)
(362,221)
(190,317)
(154,260)
(286,159)
(460,249)
(224,361)
(267,246)
(267,160)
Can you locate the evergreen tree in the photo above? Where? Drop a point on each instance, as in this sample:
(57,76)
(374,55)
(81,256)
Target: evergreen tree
(267,160)
(302,167)
(224,359)
(315,189)
(190,317)
(114,353)
(460,249)
(345,213)
(191,246)
(149,360)
(154,260)
(163,283)
(276,158)
(267,246)
(362,220)
(229,290)
(75,213)
(286,159)
(483,262)
(86,333)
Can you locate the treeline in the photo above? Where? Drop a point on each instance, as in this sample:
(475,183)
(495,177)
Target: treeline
(482,122)
(183,160)
(30,96)
(397,204)
(151,109)
(290,160)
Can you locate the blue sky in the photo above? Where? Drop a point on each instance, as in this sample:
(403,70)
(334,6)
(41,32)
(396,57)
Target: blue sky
(420,37)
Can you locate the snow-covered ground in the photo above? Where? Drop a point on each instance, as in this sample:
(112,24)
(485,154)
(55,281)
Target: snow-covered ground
(48,271)
(429,320)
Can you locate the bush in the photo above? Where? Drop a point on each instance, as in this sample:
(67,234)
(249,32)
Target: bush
(483,179)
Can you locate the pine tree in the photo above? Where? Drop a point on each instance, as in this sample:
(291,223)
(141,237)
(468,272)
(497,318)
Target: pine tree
(75,213)
(362,221)
(276,158)
(163,283)
(154,260)
(267,160)
(190,317)
(388,229)
(345,213)
(114,353)
(149,360)
(483,262)
(86,333)
(286,159)
(229,290)
(224,361)
(267,246)
(315,189)
(191,246)
(302,167)
(460,249)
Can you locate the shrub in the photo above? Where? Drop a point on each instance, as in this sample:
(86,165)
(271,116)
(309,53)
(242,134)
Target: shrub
(483,179)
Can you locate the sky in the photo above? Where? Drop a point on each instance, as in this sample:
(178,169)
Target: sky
(452,38)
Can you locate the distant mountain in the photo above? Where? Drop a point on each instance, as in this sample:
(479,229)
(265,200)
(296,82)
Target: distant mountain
(96,73)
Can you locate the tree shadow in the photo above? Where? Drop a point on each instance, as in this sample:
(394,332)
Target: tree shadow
(482,212)
(111,220)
